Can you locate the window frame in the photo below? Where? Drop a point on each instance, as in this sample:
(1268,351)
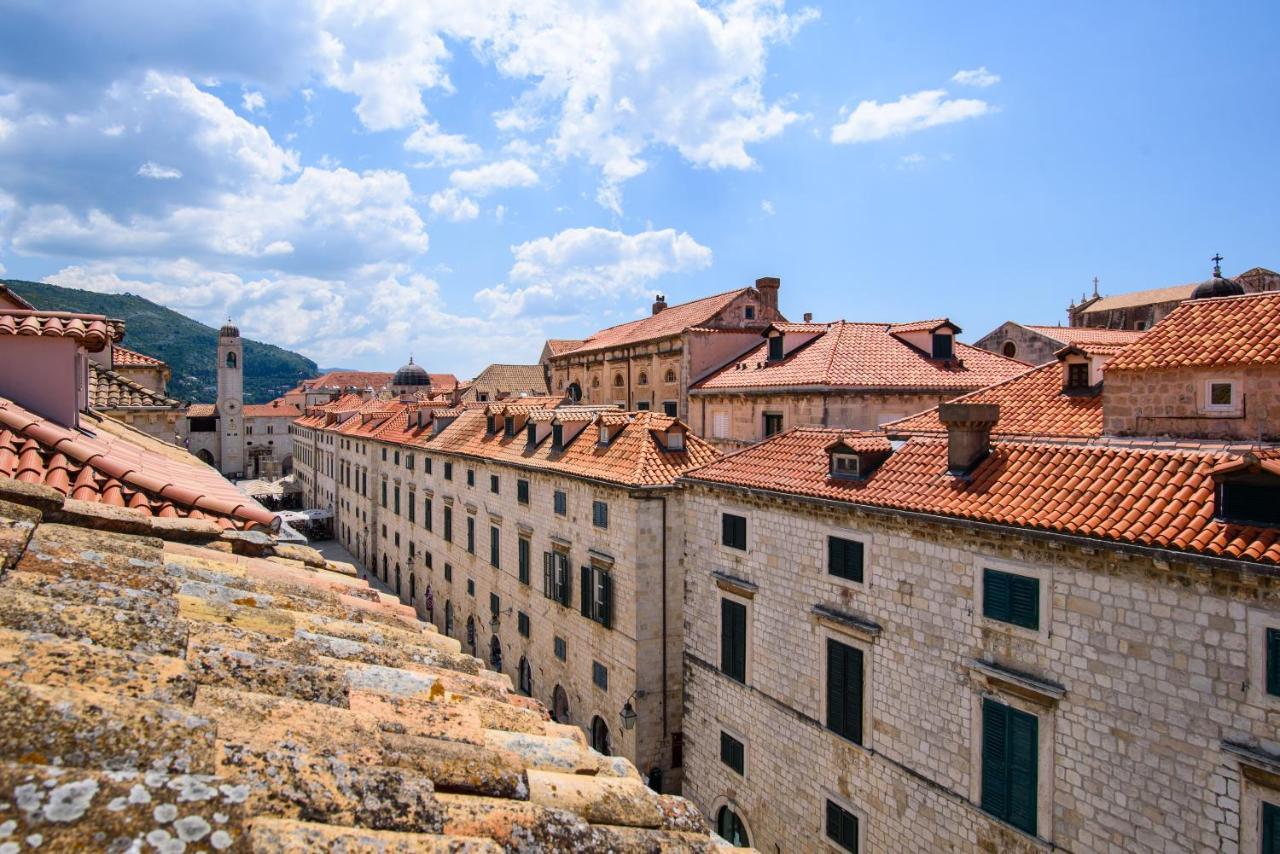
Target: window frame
(1043,574)
(843,535)
(765,418)
(745,516)
(735,735)
(1258,623)
(600,514)
(1046,732)
(1210,406)
(826,637)
(726,596)
(560,502)
(860,816)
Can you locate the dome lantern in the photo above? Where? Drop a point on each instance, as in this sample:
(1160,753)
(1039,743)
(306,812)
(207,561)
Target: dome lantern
(1218,286)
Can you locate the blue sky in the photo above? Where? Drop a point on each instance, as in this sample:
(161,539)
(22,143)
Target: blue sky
(462,179)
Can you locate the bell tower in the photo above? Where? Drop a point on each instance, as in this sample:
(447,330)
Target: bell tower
(231,400)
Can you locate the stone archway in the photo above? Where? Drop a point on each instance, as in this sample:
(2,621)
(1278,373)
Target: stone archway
(204,456)
(560,705)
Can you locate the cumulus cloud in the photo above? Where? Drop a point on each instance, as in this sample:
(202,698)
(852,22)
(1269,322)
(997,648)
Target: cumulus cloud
(453,205)
(441,149)
(151,169)
(767,207)
(554,276)
(493,176)
(253,101)
(979,77)
(871,120)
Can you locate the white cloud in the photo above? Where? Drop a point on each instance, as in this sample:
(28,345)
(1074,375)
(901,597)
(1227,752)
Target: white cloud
(980,77)
(453,205)
(767,207)
(253,101)
(911,161)
(493,176)
(151,169)
(871,120)
(441,149)
(554,276)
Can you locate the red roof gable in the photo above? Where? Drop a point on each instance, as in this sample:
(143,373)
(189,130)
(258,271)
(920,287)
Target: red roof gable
(669,321)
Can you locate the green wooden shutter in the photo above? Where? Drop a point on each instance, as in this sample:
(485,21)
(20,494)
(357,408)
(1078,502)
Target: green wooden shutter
(733,639)
(585,605)
(606,598)
(1273,663)
(837,677)
(842,827)
(1270,828)
(1024,601)
(726,529)
(1022,751)
(548,575)
(995,595)
(995,771)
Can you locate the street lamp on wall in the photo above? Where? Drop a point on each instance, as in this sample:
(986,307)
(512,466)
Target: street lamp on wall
(628,713)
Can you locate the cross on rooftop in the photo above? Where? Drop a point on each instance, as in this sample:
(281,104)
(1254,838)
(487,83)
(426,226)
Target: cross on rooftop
(1217,259)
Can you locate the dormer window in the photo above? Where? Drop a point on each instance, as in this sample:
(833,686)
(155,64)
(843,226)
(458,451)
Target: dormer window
(491,425)
(510,426)
(749,312)
(1253,500)
(1077,375)
(557,437)
(846,466)
(531,433)
(604,435)
(943,345)
(675,441)
(775,348)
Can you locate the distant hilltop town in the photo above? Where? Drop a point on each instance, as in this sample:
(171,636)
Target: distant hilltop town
(710,578)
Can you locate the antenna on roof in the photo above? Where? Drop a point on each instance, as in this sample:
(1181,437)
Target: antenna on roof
(1217,261)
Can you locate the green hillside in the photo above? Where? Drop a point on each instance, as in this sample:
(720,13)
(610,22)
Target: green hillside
(189,347)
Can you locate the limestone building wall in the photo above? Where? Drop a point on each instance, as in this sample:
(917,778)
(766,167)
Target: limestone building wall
(1177,402)
(1018,342)
(1158,665)
(633,548)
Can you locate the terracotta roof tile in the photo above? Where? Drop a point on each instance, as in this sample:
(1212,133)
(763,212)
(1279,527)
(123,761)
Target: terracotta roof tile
(122,356)
(1031,404)
(670,321)
(345,379)
(511,380)
(556,346)
(281,707)
(202,410)
(1209,333)
(1158,498)
(1087,334)
(110,391)
(111,463)
(275,409)
(1136,298)
(93,331)
(863,355)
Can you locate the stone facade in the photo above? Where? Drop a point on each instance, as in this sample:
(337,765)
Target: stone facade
(1018,342)
(731,421)
(1178,402)
(639,548)
(1142,670)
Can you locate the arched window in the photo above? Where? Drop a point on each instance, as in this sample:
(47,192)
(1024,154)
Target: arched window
(671,375)
(595,382)
(643,379)
(384,568)
(575,392)
(1009,349)
(559,705)
(448,618)
(495,653)
(524,677)
(618,381)
(600,736)
(731,828)
(231,360)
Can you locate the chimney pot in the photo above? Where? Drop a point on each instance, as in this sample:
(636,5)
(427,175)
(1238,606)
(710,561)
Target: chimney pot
(808,317)
(659,303)
(968,433)
(768,288)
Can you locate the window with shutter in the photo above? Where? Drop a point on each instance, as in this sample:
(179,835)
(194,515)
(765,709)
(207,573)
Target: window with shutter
(523,557)
(604,601)
(448,524)
(1011,598)
(844,558)
(600,514)
(587,584)
(732,752)
(842,827)
(720,425)
(426,513)
(471,534)
(844,690)
(548,575)
(1273,662)
(733,639)
(1010,758)
(495,547)
(1270,828)
(733,531)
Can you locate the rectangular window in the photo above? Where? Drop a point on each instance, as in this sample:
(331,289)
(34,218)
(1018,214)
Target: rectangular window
(522,624)
(522,491)
(772,424)
(733,639)
(732,752)
(471,534)
(493,484)
(1221,395)
(1010,753)
(471,587)
(495,604)
(775,348)
(426,513)
(733,531)
(557,437)
(1078,375)
(669,408)
(509,429)
(597,595)
(720,425)
(561,503)
(844,690)
(384,493)
(1273,662)
(384,455)
(448,471)
(426,464)
(561,648)
(555,576)
(396,496)
(471,477)
(1011,598)
(642,406)
(1270,828)
(448,524)
(522,551)
(495,548)
(396,458)
(600,676)
(408,461)
(448,572)
(600,514)
(842,827)
(413,510)
(942,345)
(844,558)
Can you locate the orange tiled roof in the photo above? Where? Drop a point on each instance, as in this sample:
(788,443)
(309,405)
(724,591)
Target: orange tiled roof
(1031,404)
(863,355)
(202,410)
(920,326)
(634,457)
(1157,498)
(345,379)
(1242,330)
(108,390)
(112,464)
(122,356)
(93,331)
(1086,334)
(670,321)
(508,379)
(563,345)
(275,409)
(1137,298)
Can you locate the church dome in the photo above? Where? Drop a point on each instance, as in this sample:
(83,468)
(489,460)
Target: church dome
(410,375)
(229,330)
(1218,286)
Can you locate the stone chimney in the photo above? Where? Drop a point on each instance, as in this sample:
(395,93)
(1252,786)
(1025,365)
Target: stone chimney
(808,317)
(768,288)
(968,433)
(659,303)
